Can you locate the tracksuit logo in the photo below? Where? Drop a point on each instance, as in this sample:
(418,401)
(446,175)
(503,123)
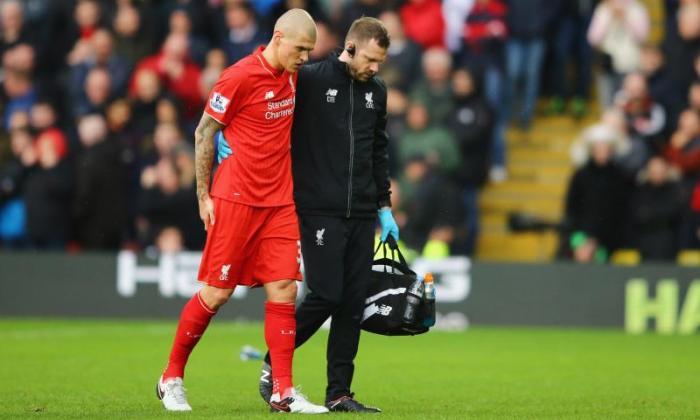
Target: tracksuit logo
(330,95)
(369,102)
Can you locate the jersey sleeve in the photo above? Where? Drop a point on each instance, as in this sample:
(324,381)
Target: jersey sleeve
(226,96)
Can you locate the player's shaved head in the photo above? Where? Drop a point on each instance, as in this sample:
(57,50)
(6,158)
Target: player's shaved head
(296,22)
(292,41)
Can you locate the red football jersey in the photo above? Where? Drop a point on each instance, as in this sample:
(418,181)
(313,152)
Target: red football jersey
(255,103)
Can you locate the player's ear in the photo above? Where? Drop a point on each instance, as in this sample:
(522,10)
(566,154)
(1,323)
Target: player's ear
(350,48)
(277,38)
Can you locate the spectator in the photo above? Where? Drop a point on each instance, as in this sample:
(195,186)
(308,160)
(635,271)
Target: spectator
(176,72)
(423,23)
(13,30)
(570,42)
(97,93)
(471,124)
(43,116)
(101,55)
(326,41)
(434,90)
(683,45)
(618,30)
(99,202)
(596,201)
(527,22)
(164,202)
(20,93)
(47,193)
(168,110)
(147,91)
(355,9)
(402,67)
(434,142)
(396,106)
(243,33)
(215,63)
(86,21)
(13,173)
(631,155)
(169,241)
(684,148)
(431,204)
(485,34)
(645,118)
(181,23)
(166,138)
(656,211)
(133,40)
(662,88)
(694,96)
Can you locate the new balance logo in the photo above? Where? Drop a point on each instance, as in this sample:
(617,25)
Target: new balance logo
(265,377)
(224,272)
(319,237)
(384,310)
(330,95)
(270,95)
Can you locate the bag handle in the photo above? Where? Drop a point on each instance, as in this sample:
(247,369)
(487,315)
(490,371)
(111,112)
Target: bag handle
(394,247)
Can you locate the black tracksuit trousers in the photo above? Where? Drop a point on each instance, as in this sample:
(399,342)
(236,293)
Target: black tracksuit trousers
(338,255)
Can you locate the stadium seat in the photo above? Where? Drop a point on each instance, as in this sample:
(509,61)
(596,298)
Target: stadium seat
(628,257)
(689,258)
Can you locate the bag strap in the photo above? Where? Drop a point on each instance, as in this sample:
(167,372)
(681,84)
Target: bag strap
(390,242)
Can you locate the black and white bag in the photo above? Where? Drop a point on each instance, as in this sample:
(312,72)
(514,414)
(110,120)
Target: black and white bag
(386,295)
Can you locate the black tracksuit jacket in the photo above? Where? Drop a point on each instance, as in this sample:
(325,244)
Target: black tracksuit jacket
(340,162)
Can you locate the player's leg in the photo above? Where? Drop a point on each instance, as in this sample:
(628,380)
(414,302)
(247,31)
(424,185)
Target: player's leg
(280,330)
(279,257)
(221,269)
(194,319)
(323,241)
(344,336)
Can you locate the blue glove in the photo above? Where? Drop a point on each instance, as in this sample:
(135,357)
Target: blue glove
(389,226)
(222,147)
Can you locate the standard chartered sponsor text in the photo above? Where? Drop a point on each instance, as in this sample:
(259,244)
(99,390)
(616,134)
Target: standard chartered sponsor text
(271,106)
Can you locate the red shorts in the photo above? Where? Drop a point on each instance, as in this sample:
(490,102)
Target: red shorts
(250,246)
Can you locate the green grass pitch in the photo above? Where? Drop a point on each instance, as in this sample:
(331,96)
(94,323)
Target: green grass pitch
(108,369)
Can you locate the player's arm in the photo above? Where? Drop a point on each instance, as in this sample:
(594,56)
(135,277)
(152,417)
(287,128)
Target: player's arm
(380,167)
(380,156)
(204,159)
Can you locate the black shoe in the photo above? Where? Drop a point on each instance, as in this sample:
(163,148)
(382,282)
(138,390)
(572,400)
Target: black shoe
(347,403)
(265,384)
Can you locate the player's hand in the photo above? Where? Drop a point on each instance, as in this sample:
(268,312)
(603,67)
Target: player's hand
(389,226)
(206,211)
(222,147)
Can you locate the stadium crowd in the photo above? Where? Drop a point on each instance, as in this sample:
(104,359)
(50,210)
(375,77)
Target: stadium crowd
(100,99)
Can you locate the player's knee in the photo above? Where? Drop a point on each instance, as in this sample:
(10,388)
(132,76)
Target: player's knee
(282,291)
(215,297)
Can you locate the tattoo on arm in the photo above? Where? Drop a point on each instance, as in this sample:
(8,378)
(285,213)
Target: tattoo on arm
(204,153)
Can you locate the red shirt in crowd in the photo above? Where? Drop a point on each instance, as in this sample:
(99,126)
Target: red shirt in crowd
(185,86)
(423,22)
(255,103)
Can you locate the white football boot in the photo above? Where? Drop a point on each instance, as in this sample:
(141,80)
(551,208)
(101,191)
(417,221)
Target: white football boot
(297,403)
(172,394)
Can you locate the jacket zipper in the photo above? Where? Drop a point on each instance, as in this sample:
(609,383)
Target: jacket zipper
(352,148)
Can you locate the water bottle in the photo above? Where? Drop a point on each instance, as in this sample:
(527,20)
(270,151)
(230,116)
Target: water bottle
(249,352)
(413,298)
(429,319)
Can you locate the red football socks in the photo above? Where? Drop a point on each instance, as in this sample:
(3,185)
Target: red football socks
(194,319)
(280,330)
